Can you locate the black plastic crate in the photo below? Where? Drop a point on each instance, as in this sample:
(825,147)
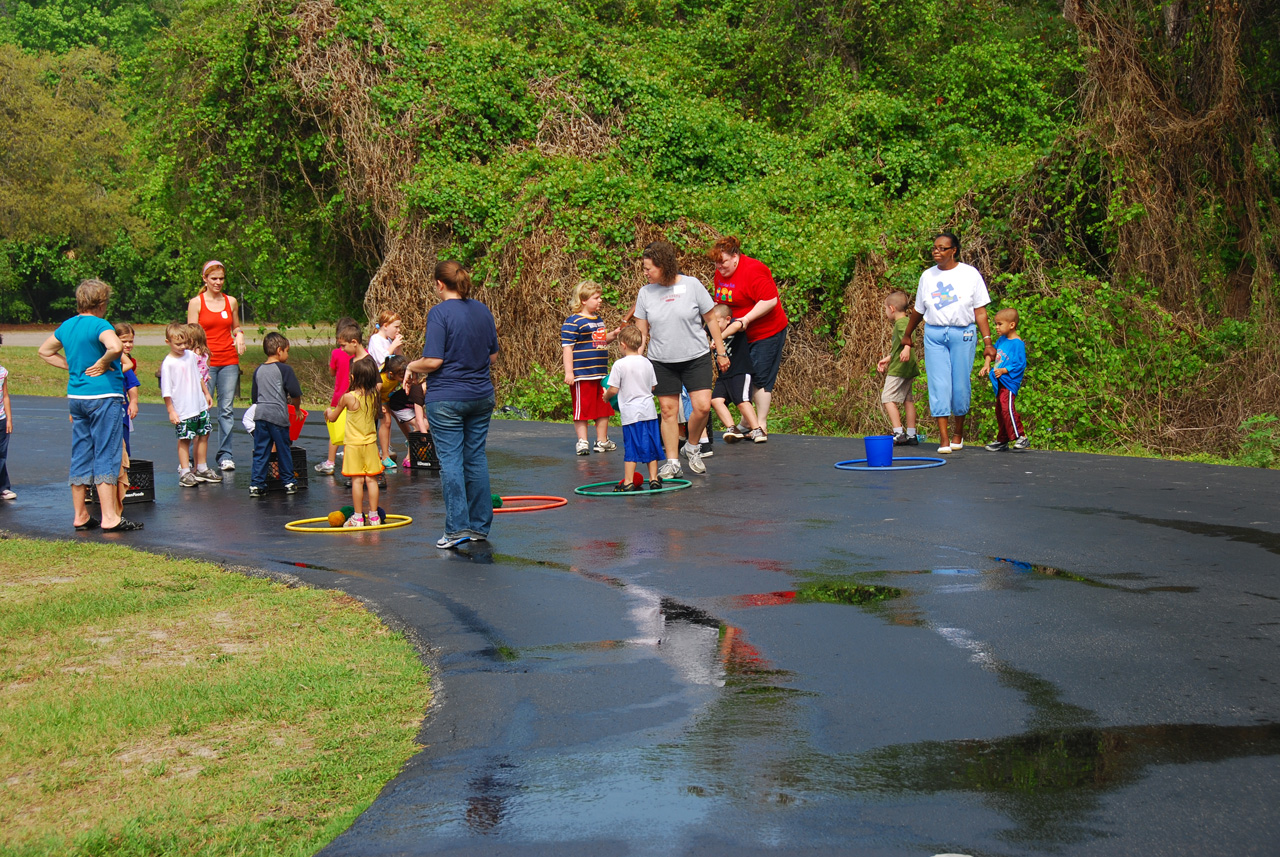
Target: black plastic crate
(142,483)
(300,470)
(422,451)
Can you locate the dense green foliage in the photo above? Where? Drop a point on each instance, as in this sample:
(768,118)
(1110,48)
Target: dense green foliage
(294,140)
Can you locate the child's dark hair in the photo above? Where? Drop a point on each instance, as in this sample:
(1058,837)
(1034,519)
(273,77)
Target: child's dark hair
(349,330)
(122,328)
(631,337)
(898,299)
(273,342)
(395,364)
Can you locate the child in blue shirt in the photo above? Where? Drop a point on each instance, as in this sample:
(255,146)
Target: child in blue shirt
(1006,381)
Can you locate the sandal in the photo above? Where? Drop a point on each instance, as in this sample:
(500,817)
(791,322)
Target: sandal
(91,524)
(124,526)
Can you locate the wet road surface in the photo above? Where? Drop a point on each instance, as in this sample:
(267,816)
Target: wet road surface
(1061,653)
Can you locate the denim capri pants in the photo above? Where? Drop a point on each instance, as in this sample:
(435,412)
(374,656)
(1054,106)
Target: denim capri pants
(948,361)
(97,439)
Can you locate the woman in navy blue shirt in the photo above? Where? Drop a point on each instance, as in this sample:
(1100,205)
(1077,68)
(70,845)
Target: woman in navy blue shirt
(460,347)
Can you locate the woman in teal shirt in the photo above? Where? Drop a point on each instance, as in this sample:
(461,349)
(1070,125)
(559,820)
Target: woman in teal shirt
(95,390)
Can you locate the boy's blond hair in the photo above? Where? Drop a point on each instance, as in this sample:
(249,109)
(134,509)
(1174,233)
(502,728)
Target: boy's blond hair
(897,299)
(176,330)
(196,340)
(631,337)
(582,293)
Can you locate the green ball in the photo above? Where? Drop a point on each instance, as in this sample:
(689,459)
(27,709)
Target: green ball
(347,511)
(497,501)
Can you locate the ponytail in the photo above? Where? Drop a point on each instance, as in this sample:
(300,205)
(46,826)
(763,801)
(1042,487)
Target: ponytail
(455,278)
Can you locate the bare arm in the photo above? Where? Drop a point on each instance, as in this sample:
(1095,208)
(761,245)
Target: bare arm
(114,348)
(717,337)
(980,317)
(193,310)
(237,329)
(642,324)
(8,409)
(912,322)
(427,365)
(50,352)
(567,354)
(760,310)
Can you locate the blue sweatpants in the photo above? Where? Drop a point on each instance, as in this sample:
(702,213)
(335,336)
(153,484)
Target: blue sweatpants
(948,361)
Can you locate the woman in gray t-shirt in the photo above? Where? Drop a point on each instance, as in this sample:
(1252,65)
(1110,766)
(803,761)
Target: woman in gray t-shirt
(670,312)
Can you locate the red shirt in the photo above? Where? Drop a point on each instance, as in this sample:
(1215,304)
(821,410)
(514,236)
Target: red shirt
(340,368)
(217,329)
(751,283)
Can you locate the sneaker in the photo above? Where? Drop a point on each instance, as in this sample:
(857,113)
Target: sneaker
(655,484)
(912,440)
(207,475)
(732,435)
(447,541)
(1023,442)
(605,445)
(373,519)
(670,470)
(996,446)
(758,435)
(476,537)
(188,480)
(354,521)
(705,448)
(899,438)
(582,448)
(291,488)
(6,494)
(227,464)
(325,467)
(389,463)
(405,464)
(257,491)
(694,454)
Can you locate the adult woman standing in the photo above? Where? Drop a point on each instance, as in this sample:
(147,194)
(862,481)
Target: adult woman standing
(460,347)
(747,286)
(219,314)
(952,300)
(670,311)
(95,390)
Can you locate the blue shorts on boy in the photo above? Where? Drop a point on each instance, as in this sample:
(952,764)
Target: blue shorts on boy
(634,377)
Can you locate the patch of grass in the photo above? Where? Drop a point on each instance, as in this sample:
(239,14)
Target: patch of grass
(31,376)
(161,706)
(846,593)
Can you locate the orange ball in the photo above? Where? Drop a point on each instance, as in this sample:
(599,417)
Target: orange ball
(337,519)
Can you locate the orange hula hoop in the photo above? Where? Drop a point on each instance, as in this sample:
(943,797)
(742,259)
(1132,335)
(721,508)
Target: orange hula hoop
(547,502)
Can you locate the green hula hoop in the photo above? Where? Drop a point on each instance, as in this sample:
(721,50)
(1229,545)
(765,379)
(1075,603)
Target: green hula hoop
(667,485)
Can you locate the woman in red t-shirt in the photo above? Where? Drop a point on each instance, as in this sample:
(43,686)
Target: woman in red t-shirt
(219,315)
(747,286)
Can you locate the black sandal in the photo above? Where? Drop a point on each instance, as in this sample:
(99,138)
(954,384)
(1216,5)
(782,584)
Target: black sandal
(124,526)
(91,524)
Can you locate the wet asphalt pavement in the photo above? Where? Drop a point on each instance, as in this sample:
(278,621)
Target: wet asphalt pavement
(1082,660)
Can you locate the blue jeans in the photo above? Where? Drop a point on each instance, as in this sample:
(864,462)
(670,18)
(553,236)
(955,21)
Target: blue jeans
(97,439)
(264,435)
(224,379)
(948,361)
(460,429)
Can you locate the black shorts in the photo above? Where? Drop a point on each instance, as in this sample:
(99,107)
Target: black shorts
(734,388)
(766,357)
(693,375)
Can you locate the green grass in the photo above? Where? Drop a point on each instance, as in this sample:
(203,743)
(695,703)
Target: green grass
(160,706)
(31,376)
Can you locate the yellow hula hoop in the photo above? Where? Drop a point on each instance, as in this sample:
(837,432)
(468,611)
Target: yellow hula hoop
(392,522)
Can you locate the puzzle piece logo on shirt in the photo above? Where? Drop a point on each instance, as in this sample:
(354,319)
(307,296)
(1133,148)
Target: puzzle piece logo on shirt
(944,295)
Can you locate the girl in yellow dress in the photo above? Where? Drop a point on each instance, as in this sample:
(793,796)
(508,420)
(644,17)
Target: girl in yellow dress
(361,461)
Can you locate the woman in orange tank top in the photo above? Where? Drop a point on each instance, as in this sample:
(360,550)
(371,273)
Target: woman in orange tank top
(219,315)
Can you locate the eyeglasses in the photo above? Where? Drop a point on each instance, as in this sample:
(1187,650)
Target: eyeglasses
(942,249)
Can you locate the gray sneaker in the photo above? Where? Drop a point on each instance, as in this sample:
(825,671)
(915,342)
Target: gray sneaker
(694,454)
(604,446)
(207,475)
(188,480)
(732,435)
(757,435)
(670,470)
(1023,442)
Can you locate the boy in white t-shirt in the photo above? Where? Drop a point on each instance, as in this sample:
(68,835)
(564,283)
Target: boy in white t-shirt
(188,402)
(632,380)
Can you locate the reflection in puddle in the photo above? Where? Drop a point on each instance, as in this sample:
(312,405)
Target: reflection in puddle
(1264,539)
(489,794)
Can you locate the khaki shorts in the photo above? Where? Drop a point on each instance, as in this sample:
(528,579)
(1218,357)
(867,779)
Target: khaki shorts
(896,390)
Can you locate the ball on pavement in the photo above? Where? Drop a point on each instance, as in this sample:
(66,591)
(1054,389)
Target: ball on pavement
(337,519)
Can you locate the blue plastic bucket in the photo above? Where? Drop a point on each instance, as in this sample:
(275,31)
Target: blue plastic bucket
(879,450)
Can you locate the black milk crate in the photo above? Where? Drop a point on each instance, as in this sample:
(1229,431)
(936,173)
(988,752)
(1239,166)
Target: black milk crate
(274,482)
(422,451)
(142,483)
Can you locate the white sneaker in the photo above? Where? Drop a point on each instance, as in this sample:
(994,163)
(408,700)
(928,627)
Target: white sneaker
(694,454)
(325,467)
(227,464)
(605,446)
(582,448)
(670,470)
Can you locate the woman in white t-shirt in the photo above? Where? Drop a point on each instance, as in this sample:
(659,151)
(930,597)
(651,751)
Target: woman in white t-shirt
(952,300)
(669,313)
